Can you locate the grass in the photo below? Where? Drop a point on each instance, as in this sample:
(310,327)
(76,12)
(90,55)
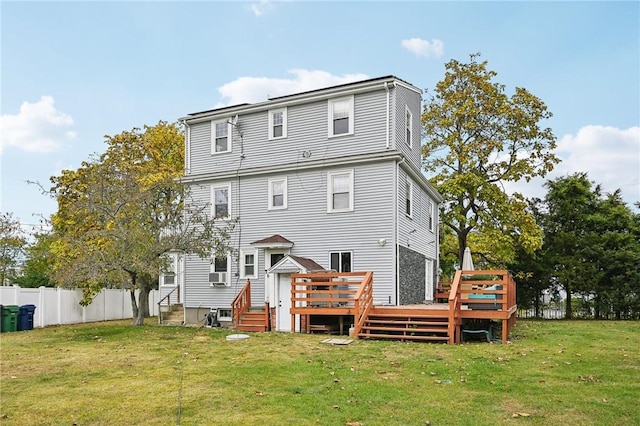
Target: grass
(553,372)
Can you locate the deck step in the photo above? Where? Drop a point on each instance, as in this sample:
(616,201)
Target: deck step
(251,327)
(407,329)
(403,337)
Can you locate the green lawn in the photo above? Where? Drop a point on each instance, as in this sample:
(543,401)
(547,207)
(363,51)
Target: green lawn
(552,373)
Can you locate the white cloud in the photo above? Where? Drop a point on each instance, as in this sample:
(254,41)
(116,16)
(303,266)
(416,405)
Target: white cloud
(419,47)
(260,8)
(38,127)
(258,89)
(610,157)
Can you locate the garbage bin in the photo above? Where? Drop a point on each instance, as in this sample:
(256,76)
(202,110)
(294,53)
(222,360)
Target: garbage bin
(25,317)
(9,317)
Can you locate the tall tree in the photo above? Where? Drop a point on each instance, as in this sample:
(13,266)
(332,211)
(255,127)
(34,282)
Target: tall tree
(12,243)
(571,205)
(121,213)
(476,139)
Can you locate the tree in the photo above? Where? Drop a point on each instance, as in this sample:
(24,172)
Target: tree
(476,139)
(12,243)
(592,245)
(122,212)
(38,263)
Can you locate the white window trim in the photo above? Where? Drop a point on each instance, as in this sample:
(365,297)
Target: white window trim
(243,253)
(432,214)
(213,201)
(173,267)
(330,103)
(410,126)
(330,175)
(212,268)
(340,252)
(284,123)
(409,196)
(229,137)
(270,205)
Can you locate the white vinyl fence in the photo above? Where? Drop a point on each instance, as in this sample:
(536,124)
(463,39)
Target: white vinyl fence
(56,306)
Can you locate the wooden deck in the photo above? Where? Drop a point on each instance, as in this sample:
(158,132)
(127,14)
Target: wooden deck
(473,295)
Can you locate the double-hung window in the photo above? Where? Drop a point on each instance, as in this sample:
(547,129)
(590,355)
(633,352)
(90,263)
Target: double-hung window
(430,214)
(278,123)
(409,199)
(408,126)
(277,194)
(340,191)
(221,137)
(341,261)
(248,265)
(221,201)
(341,116)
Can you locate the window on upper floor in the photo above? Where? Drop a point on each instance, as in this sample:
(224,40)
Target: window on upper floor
(278,123)
(408,126)
(277,194)
(248,266)
(221,137)
(221,201)
(339,191)
(341,261)
(341,116)
(430,214)
(409,198)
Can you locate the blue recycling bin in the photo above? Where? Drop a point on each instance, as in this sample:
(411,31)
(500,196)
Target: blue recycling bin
(25,317)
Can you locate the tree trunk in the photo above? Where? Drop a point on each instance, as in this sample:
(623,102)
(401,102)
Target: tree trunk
(568,313)
(134,306)
(536,303)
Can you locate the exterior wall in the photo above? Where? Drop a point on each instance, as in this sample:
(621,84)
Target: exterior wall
(314,232)
(412,276)
(407,98)
(307,137)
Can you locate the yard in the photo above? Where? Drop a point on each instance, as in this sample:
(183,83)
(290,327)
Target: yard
(552,372)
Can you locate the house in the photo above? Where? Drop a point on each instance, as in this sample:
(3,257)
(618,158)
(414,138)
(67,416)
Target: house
(328,179)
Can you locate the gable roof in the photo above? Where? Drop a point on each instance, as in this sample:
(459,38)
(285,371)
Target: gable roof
(274,241)
(293,264)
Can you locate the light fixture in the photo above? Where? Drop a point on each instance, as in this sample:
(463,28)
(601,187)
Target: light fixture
(382,242)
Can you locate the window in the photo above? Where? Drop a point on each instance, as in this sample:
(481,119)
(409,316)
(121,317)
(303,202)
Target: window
(341,261)
(220,204)
(277,194)
(341,116)
(408,125)
(248,266)
(219,272)
(409,198)
(224,314)
(340,191)
(169,275)
(430,214)
(278,123)
(221,141)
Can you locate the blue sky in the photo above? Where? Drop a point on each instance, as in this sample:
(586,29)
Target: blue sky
(72,72)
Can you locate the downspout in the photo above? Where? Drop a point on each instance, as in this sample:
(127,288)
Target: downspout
(386,88)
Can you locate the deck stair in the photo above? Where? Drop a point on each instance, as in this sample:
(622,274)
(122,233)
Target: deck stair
(252,320)
(401,323)
(174,315)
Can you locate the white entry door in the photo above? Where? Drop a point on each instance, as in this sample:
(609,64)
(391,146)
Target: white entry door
(283,316)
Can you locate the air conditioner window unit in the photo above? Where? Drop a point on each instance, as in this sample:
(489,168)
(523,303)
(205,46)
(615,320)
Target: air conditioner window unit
(218,279)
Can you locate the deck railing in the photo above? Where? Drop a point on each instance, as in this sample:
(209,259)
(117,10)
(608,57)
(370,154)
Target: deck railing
(454,308)
(363,303)
(241,303)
